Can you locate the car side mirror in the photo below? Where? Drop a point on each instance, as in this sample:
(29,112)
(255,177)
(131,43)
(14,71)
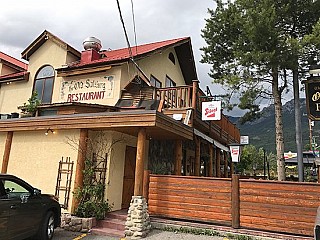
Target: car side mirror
(36,191)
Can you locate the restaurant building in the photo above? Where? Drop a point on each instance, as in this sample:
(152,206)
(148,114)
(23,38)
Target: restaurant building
(130,110)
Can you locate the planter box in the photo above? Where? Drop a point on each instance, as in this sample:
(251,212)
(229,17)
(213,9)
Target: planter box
(77,224)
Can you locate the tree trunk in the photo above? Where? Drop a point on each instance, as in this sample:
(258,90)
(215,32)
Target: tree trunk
(279,126)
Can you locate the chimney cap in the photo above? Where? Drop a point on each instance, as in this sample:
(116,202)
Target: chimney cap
(92,43)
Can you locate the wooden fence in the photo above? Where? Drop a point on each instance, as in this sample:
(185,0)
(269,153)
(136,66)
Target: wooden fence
(288,207)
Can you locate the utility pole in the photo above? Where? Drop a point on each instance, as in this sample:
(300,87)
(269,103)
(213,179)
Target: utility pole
(297,118)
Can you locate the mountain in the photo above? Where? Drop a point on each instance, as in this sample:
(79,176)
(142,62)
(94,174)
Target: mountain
(261,132)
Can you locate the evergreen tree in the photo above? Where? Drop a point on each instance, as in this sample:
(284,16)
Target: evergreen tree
(251,46)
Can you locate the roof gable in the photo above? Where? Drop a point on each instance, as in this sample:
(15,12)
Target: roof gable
(39,41)
(13,61)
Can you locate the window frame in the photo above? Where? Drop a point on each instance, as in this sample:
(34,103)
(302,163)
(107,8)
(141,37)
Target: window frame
(172,83)
(157,84)
(44,79)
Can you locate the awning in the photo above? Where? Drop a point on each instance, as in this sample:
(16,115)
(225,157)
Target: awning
(210,140)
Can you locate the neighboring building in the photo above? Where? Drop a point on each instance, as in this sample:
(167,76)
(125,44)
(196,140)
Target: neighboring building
(146,114)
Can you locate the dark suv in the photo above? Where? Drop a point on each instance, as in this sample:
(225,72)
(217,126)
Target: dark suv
(25,212)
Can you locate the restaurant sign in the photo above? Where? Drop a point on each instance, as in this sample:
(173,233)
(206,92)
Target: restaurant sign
(313,97)
(87,90)
(211,110)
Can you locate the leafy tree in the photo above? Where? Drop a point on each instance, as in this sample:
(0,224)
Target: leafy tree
(251,45)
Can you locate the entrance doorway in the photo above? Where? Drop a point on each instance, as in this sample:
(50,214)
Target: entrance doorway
(128,178)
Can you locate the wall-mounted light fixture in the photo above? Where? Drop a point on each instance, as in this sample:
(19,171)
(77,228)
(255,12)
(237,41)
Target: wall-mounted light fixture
(48,130)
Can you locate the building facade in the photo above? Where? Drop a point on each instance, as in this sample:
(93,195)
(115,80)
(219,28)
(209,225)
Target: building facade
(131,109)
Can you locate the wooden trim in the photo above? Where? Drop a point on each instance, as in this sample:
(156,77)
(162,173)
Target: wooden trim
(146,180)
(6,153)
(82,151)
(68,73)
(218,154)
(157,123)
(235,201)
(197,157)
(178,157)
(210,160)
(225,158)
(141,144)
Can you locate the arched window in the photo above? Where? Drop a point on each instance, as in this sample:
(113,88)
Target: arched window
(43,84)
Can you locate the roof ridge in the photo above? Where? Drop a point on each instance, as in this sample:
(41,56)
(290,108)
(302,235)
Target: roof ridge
(147,44)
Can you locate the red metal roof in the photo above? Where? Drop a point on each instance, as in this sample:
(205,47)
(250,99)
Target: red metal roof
(13,61)
(123,54)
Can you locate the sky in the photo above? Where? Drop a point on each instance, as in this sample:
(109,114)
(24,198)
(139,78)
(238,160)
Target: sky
(21,22)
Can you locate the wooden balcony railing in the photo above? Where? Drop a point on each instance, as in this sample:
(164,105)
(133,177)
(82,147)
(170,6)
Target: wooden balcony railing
(191,97)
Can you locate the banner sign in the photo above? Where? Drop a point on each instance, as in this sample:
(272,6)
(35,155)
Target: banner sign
(91,90)
(313,97)
(211,110)
(235,153)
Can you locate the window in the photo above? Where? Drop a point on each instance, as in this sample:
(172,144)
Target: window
(172,58)
(14,190)
(43,84)
(155,82)
(170,82)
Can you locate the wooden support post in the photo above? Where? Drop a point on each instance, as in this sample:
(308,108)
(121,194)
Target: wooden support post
(6,153)
(141,144)
(235,200)
(225,156)
(218,154)
(197,157)
(82,152)
(215,161)
(195,86)
(146,181)
(210,160)
(178,157)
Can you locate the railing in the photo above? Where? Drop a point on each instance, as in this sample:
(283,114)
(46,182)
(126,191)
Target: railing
(182,97)
(175,97)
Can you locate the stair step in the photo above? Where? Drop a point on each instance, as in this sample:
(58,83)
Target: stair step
(115,215)
(108,232)
(112,224)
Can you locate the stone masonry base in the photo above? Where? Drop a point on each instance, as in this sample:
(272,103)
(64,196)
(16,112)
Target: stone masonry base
(138,221)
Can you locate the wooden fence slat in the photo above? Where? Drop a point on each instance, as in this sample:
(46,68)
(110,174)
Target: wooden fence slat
(287,207)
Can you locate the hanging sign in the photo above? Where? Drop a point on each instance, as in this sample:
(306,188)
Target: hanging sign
(235,153)
(313,97)
(211,110)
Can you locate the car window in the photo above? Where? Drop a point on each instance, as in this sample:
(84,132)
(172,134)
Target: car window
(14,190)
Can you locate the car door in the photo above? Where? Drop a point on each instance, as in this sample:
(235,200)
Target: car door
(4,213)
(25,210)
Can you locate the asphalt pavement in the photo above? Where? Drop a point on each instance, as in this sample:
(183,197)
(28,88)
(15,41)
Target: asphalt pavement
(61,234)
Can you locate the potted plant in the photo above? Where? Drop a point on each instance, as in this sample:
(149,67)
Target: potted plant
(30,107)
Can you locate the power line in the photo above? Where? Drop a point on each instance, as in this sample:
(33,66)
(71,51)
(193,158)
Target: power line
(134,27)
(124,30)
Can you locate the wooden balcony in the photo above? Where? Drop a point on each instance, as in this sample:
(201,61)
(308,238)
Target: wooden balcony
(179,100)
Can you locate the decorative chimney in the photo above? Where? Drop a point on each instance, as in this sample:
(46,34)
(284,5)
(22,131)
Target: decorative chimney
(92,47)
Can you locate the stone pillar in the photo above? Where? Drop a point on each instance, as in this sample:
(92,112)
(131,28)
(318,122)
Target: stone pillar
(138,222)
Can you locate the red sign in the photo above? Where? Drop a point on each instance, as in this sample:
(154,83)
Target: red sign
(211,110)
